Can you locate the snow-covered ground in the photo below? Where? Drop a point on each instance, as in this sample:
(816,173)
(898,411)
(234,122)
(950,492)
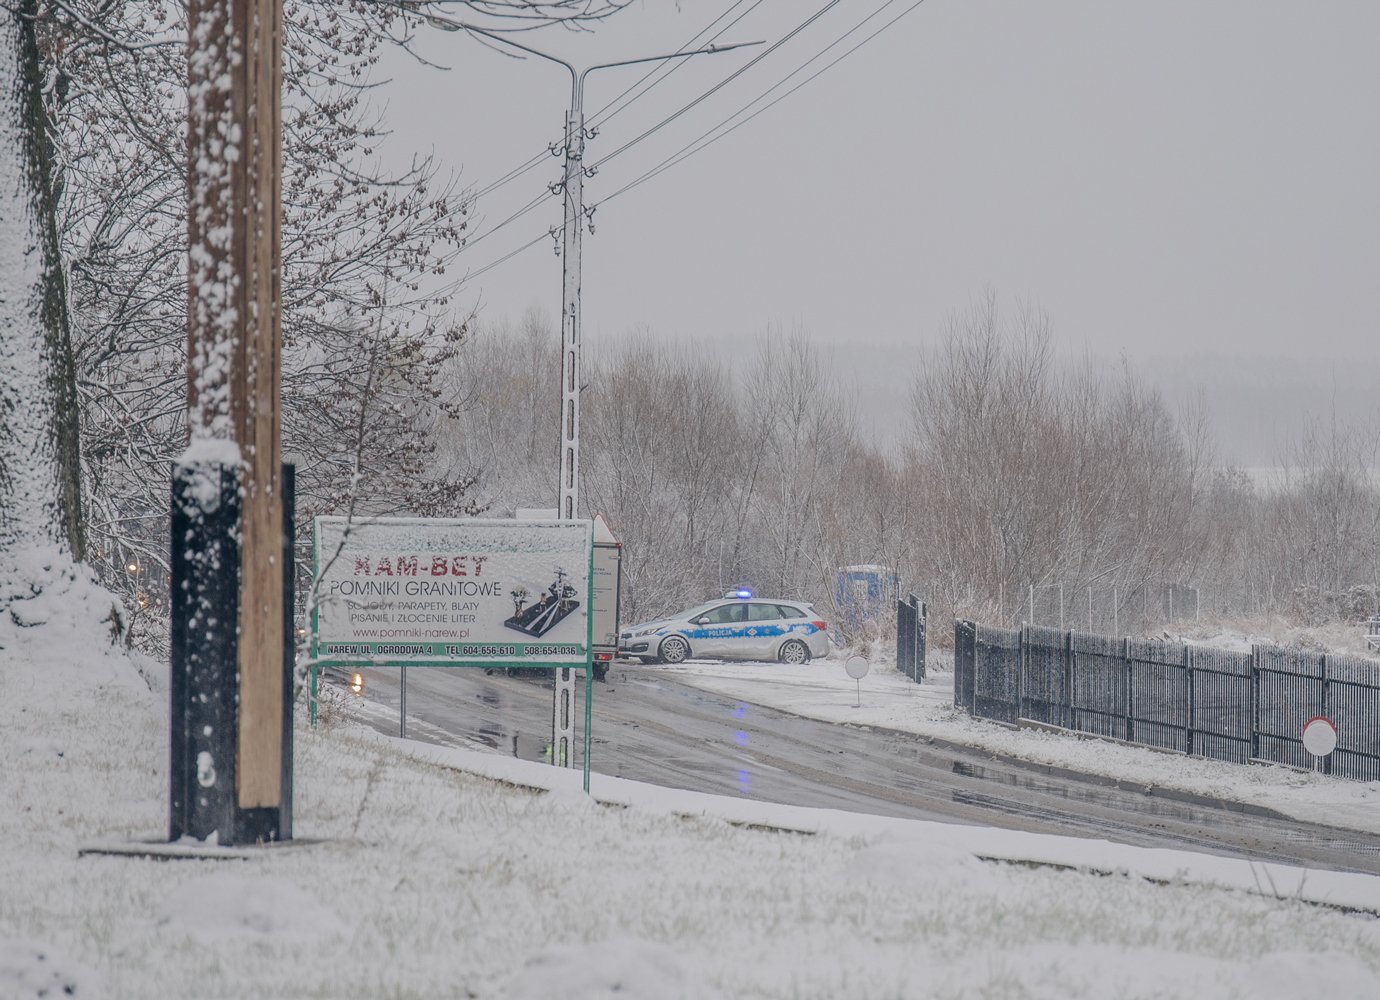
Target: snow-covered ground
(425,871)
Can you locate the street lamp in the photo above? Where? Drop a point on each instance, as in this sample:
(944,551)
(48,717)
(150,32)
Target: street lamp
(573,187)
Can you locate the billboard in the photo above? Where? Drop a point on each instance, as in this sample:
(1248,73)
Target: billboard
(461,592)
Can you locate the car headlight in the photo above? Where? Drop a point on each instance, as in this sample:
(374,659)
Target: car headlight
(645,631)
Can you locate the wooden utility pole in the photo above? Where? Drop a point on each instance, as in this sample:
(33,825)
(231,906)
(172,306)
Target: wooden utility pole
(231,544)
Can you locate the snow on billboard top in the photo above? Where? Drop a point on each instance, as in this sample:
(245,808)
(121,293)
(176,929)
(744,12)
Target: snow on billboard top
(462,592)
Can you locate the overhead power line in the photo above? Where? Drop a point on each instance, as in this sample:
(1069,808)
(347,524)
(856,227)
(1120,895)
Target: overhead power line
(666,69)
(708,138)
(703,142)
(505,258)
(512,218)
(722,83)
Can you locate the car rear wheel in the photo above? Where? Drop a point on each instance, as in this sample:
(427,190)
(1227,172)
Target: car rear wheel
(674,649)
(795,652)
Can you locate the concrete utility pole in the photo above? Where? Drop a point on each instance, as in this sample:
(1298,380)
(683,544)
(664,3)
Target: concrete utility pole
(572,186)
(573,189)
(231,773)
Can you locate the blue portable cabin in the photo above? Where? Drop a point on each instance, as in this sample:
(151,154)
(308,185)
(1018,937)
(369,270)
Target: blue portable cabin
(863,593)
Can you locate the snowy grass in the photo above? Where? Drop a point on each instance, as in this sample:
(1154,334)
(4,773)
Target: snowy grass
(415,876)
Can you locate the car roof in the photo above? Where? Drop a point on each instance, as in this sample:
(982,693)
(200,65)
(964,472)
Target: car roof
(688,612)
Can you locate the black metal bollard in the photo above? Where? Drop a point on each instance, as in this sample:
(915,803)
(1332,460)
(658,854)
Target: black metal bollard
(204,682)
(205,651)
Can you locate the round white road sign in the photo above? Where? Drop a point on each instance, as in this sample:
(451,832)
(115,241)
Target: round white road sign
(856,667)
(1319,736)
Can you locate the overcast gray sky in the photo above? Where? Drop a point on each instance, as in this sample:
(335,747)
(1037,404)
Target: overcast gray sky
(1163,179)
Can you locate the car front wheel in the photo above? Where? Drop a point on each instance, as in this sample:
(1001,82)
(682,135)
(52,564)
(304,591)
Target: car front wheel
(674,650)
(795,652)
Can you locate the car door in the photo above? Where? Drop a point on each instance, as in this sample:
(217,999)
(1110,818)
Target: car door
(764,631)
(795,620)
(717,632)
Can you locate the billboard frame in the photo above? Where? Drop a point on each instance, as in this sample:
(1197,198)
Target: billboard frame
(316,661)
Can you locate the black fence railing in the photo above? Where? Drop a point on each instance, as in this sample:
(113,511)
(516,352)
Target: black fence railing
(1224,704)
(911,622)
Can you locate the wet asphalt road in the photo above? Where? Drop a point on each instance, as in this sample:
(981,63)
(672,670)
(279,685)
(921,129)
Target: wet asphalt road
(650,729)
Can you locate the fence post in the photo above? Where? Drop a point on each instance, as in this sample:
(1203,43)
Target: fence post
(902,664)
(1327,761)
(1130,700)
(912,624)
(922,625)
(1255,701)
(965,666)
(1188,722)
(1068,675)
(1020,671)
(959,667)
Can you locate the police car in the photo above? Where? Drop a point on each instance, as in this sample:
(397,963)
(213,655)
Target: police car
(740,626)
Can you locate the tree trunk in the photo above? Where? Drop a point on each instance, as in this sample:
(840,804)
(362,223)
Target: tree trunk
(40,485)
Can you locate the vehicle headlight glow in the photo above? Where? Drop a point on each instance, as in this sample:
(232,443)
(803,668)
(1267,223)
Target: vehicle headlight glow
(645,631)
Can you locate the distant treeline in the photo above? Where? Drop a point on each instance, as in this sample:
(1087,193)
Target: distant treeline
(1013,471)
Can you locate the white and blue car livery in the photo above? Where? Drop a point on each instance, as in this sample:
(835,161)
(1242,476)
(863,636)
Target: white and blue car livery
(739,626)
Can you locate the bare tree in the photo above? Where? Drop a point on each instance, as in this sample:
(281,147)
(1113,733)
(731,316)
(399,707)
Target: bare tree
(1034,473)
(805,426)
(354,241)
(1321,526)
(39,500)
(661,436)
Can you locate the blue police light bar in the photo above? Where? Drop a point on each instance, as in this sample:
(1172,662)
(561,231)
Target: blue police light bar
(743,593)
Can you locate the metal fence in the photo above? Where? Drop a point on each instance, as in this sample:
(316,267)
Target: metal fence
(1107,609)
(1224,704)
(911,622)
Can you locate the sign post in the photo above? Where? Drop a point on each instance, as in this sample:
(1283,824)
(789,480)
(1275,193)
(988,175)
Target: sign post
(856,667)
(465,592)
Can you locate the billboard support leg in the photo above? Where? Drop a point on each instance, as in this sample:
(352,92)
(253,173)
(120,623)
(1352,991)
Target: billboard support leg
(563,717)
(589,714)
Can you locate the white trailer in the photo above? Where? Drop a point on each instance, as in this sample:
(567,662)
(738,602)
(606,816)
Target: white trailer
(606,586)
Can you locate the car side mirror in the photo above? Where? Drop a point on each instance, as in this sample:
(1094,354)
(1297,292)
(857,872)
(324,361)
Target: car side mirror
(701,620)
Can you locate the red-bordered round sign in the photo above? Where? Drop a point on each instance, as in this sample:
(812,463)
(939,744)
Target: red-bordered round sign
(1319,736)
